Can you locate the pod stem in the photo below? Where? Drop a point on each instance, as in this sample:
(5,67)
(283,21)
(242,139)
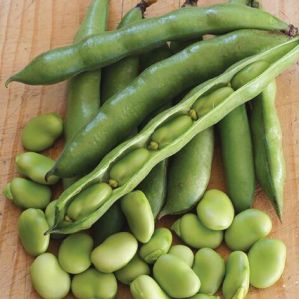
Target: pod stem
(113,183)
(292,31)
(9,80)
(190,3)
(144,4)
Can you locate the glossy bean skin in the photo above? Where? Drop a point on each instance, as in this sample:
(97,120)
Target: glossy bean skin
(145,287)
(195,234)
(74,253)
(41,132)
(267,261)
(184,253)
(209,266)
(94,284)
(95,52)
(27,194)
(189,174)
(137,210)
(127,166)
(247,228)
(154,187)
(215,210)
(36,166)
(88,201)
(112,222)
(236,281)
(115,252)
(132,270)
(131,111)
(175,277)
(32,226)
(281,57)
(170,131)
(48,278)
(267,146)
(158,245)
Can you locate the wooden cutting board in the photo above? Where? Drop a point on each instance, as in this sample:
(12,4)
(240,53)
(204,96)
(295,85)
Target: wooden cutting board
(29,27)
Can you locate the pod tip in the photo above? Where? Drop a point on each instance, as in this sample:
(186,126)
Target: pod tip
(8,81)
(144,4)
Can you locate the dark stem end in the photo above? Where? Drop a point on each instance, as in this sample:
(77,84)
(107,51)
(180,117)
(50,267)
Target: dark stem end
(292,31)
(190,3)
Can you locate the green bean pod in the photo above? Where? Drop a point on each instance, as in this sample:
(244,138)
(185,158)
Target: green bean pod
(280,57)
(189,174)
(88,201)
(32,225)
(42,131)
(138,100)
(236,281)
(158,245)
(95,52)
(36,166)
(137,210)
(27,194)
(267,146)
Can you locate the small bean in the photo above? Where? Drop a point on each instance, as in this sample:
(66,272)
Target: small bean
(48,278)
(122,170)
(74,253)
(215,210)
(27,194)
(36,166)
(32,226)
(248,227)
(176,277)
(184,253)
(139,215)
(190,229)
(94,284)
(88,200)
(236,281)
(170,131)
(267,261)
(132,270)
(42,131)
(144,287)
(115,252)
(159,244)
(209,266)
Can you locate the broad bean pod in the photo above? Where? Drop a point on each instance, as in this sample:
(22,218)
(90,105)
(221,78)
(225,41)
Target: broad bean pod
(280,57)
(95,52)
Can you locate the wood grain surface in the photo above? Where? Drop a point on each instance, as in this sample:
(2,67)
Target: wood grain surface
(29,27)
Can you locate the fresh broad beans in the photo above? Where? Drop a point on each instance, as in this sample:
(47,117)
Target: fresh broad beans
(190,229)
(42,131)
(248,227)
(184,253)
(132,270)
(267,146)
(267,261)
(48,278)
(74,253)
(112,222)
(175,277)
(280,57)
(137,210)
(204,296)
(94,284)
(27,194)
(144,287)
(189,173)
(236,281)
(158,245)
(215,210)
(88,201)
(115,252)
(154,187)
(32,226)
(35,167)
(209,266)
(120,173)
(137,101)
